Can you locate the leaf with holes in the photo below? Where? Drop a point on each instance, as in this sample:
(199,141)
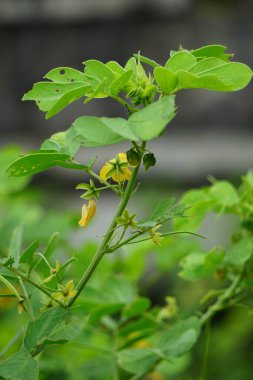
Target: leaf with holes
(65,75)
(37,162)
(48,94)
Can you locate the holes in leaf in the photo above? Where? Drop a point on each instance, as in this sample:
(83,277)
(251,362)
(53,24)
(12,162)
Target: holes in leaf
(56,90)
(62,72)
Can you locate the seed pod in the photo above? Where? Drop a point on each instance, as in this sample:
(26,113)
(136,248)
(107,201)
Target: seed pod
(133,157)
(149,160)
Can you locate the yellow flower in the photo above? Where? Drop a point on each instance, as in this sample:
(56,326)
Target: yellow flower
(87,213)
(65,293)
(117,169)
(156,236)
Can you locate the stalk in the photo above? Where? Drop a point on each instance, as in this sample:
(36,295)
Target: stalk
(102,248)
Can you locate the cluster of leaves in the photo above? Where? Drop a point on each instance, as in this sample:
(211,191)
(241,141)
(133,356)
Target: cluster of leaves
(207,68)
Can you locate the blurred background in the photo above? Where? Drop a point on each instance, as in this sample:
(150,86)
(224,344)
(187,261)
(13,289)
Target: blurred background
(211,135)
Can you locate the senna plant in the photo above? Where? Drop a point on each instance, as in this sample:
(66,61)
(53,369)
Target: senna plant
(143,337)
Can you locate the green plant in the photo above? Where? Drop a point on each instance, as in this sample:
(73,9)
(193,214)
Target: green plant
(144,337)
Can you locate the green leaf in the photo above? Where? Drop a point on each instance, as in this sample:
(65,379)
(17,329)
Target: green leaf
(21,366)
(52,244)
(27,255)
(120,126)
(224,193)
(163,210)
(212,51)
(68,98)
(10,185)
(181,60)
(61,142)
(240,252)
(146,60)
(97,72)
(67,331)
(137,360)
(137,307)
(37,331)
(15,244)
(42,160)
(120,83)
(65,75)
(179,338)
(238,74)
(48,94)
(166,79)
(198,204)
(206,65)
(91,131)
(199,265)
(150,122)
(115,68)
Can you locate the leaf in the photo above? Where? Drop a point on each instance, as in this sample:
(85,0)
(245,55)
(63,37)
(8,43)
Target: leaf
(181,60)
(120,83)
(67,331)
(21,366)
(137,307)
(52,244)
(42,160)
(238,74)
(198,204)
(91,131)
(240,252)
(68,98)
(163,209)
(48,94)
(224,193)
(120,126)
(15,244)
(199,265)
(166,79)
(65,75)
(146,60)
(206,65)
(27,256)
(115,68)
(150,122)
(137,360)
(37,331)
(212,51)
(10,185)
(61,142)
(179,338)
(97,72)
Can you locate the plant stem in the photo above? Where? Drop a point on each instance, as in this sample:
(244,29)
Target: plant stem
(102,248)
(206,350)
(222,301)
(27,298)
(107,184)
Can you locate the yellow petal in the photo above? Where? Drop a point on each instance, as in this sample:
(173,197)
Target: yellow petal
(69,286)
(72,293)
(104,171)
(122,157)
(92,207)
(122,175)
(84,220)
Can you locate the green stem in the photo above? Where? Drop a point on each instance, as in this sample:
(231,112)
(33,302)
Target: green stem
(27,298)
(125,104)
(107,184)
(103,246)
(206,350)
(222,301)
